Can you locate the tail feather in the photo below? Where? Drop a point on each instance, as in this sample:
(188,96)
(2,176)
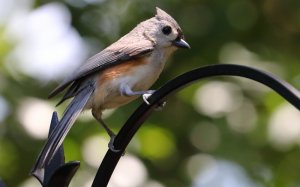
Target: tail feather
(58,135)
(71,92)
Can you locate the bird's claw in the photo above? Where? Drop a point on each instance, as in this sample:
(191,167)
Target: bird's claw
(145,98)
(111,144)
(159,106)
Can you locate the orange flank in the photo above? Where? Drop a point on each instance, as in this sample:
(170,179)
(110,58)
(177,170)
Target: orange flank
(120,70)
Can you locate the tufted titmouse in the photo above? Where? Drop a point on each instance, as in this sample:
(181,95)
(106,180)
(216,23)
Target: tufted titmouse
(116,76)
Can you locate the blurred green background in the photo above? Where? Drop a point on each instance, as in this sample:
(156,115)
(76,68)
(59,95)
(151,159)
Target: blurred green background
(221,132)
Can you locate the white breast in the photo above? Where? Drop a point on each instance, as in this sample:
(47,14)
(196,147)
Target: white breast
(140,78)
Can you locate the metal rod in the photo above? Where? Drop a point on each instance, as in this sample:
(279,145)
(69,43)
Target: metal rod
(131,126)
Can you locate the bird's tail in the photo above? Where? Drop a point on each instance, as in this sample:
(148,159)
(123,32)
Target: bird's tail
(58,135)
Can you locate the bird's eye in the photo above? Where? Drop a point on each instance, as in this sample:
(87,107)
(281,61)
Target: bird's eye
(167,30)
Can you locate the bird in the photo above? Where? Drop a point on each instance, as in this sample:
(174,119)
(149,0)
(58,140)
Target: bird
(115,76)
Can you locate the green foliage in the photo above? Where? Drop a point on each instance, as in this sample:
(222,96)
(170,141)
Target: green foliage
(189,131)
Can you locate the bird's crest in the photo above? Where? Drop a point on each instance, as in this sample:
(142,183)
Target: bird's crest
(162,15)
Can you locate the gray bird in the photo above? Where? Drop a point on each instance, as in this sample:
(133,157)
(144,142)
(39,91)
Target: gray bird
(115,76)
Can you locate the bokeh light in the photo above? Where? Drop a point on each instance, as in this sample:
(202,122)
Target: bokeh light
(4,109)
(284,128)
(153,184)
(244,118)
(225,174)
(205,136)
(30,182)
(130,172)
(48,47)
(94,149)
(35,116)
(156,142)
(217,98)
(83,178)
(199,163)
(208,171)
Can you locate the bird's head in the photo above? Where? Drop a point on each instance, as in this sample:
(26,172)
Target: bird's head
(164,31)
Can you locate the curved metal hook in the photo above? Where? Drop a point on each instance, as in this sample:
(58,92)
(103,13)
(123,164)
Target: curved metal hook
(143,111)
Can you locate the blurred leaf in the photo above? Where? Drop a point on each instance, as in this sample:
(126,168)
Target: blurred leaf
(156,142)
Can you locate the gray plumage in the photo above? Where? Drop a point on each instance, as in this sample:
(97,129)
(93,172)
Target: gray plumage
(147,45)
(60,131)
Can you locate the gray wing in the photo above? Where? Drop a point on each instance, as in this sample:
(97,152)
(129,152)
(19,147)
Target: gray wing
(117,53)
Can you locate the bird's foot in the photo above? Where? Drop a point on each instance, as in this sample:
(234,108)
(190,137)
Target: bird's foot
(111,144)
(145,98)
(159,106)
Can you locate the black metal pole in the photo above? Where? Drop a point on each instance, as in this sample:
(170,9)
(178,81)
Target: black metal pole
(131,126)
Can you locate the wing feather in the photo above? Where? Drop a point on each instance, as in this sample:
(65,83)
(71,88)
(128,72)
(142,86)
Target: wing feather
(115,54)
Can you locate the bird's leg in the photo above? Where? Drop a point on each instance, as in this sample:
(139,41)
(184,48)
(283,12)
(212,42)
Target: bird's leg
(108,130)
(127,91)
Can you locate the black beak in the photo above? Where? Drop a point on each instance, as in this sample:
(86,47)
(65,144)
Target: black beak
(181,43)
